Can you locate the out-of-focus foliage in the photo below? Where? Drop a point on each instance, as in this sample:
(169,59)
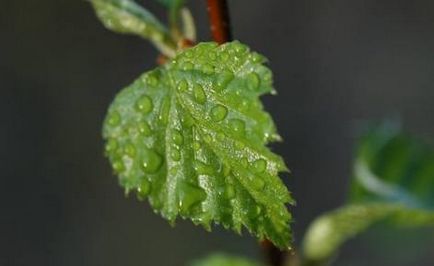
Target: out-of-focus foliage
(393,181)
(126,16)
(191,136)
(224,260)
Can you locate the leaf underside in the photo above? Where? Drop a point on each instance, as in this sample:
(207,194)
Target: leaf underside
(393,182)
(190,136)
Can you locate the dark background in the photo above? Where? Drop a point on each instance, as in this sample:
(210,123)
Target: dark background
(335,62)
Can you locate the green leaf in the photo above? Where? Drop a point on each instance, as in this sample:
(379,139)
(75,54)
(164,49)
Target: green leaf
(126,16)
(328,232)
(393,181)
(224,260)
(191,137)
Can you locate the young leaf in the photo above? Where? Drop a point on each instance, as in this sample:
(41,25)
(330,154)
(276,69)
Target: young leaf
(126,16)
(191,137)
(394,180)
(224,260)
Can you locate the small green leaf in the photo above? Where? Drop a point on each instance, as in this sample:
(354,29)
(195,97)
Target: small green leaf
(126,16)
(393,181)
(224,260)
(329,231)
(194,133)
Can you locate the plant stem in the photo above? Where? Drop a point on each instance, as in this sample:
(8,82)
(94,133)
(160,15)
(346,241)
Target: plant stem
(218,14)
(274,256)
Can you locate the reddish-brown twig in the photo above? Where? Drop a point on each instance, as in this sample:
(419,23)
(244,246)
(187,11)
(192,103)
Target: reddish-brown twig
(219,20)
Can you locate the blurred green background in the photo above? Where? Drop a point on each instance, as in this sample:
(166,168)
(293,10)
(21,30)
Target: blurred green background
(335,63)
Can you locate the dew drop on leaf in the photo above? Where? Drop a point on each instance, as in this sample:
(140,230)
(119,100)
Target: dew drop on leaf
(130,150)
(238,126)
(145,129)
(114,119)
(187,66)
(144,104)
(175,154)
(187,120)
(144,189)
(207,69)
(258,183)
(240,145)
(224,79)
(218,113)
(152,80)
(111,145)
(253,81)
(196,146)
(182,86)
(230,192)
(177,137)
(260,165)
(118,165)
(244,162)
(164,111)
(189,197)
(199,94)
(152,161)
(202,168)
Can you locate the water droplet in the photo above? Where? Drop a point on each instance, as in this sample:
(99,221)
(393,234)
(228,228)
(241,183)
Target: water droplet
(212,55)
(187,120)
(152,161)
(244,105)
(219,112)
(244,162)
(199,94)
(145,129)
(175,154)
(240,145)
(207,138)
(257,211)
(226,170)
(164,111)
(118,165)
(268,76)
(238,126)
(260,165)
(221,136)
(130,150)
(111,145)
(183,86)
(253,81)
(230,192)
(190,196)
(144,104)
(258,183)
(187,66)
(224,56)
(240,48)
(224,79)
(177,137)
(114,119)
(257,58)
(202,168)
(196,146)
(188,53)
(152,80)
(207,69)
(144,189)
